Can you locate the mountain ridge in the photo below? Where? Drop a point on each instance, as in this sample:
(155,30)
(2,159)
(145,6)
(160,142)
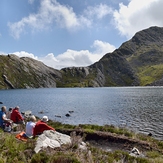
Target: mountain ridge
(129,64)
(137,62)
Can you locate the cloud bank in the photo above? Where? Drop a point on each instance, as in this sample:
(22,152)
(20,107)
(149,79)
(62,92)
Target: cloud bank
(50,13)
(72,58)
(127,19)
(138,15)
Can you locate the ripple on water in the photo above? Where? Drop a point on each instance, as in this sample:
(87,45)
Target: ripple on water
(138,108)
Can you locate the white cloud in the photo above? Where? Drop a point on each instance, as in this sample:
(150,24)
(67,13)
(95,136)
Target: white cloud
(102,47)
(72,58)
(81,58)
(69,58)
(3,53)
(25,54)
(98,11)
(138,15)
(50,12)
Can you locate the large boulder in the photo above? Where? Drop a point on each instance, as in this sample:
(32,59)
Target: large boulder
(52,139)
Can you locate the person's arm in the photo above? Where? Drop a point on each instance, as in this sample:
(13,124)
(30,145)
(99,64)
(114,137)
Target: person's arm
(5,118)
(34,133)
(20,118)
(47,127)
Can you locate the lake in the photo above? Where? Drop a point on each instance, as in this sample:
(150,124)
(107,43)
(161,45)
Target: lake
(136,108)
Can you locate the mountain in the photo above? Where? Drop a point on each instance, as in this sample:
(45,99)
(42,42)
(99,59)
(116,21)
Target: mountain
(137,62)
(26,72)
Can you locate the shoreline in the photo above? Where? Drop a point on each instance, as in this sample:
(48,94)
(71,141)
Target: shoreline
(102,142)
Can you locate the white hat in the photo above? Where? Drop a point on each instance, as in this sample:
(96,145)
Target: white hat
(45,118)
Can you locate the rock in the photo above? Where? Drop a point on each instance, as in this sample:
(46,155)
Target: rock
(135,151)
(150,134)
(67,115)
(71,111)
(58,116)
(10,85)
(83,146)
(27,113)
(52,139)
(41,112)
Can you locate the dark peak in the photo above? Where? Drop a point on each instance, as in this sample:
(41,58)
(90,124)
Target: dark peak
(148,36)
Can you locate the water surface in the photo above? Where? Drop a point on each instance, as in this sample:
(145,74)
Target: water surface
(138,108)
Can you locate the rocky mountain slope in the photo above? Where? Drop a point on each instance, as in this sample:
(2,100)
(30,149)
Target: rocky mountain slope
(25,72)
(137,62)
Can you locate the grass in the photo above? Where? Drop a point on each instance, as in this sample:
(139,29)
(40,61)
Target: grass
(149,74)
(107,128)
(76,78)
(13,150)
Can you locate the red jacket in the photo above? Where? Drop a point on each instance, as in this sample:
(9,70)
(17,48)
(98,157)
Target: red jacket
(16,116)
(40,127)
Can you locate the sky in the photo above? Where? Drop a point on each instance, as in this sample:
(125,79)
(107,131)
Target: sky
(67,33)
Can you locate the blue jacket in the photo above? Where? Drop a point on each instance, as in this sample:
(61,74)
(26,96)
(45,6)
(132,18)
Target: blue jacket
(1,120)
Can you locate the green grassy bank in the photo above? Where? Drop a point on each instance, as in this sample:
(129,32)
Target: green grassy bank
(13,150)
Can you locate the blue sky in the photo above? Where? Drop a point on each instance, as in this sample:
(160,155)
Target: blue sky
(66,33)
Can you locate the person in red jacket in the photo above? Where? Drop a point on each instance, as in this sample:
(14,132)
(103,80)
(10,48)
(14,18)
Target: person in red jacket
(41,126)
(16,116)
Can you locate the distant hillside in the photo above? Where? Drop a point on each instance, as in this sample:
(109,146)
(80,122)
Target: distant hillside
(144,53)
(137,62)
(25,72)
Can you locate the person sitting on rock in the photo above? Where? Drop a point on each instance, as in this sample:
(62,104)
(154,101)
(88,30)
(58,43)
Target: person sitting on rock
(41,126)
(30,126)
(8,114)
(3,119)
(16,116)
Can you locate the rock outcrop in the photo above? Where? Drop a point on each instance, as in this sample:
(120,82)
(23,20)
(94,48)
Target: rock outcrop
(26,72)
(52,139)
